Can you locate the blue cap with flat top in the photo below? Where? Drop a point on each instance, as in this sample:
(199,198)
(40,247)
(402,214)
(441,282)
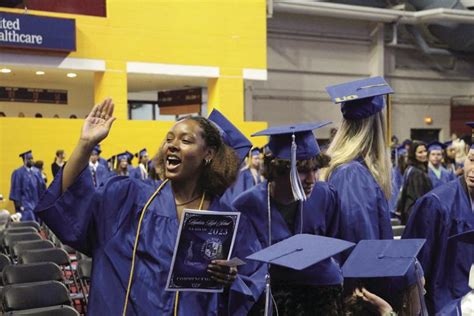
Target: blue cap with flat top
(255,151)
(26,155)
(362,98)
(125,156)
(141,153)
(96,150)
(230,134)
(436,146)
(382,258)
(301,251)
(293,142)
(471,125)
(281,140)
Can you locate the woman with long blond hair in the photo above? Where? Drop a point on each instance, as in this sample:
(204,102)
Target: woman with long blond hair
(360,166)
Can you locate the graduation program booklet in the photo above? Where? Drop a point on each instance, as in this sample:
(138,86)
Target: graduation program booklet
(203,236)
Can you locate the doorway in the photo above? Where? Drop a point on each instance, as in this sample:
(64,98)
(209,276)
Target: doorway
(426,135)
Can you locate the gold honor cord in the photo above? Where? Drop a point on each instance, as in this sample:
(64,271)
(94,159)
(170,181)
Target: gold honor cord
(135,246)
(132,268)
(176,300)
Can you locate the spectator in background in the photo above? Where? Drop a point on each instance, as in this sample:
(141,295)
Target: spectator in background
(437,173)
(55,116)
(99,173)
(2,114)
(59,161)
(26,187)
(73,116)
(39,167)
(21,114)
(416,180)
(38,115)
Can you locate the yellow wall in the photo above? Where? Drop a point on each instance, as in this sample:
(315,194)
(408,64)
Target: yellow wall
(229,34)
(45,136)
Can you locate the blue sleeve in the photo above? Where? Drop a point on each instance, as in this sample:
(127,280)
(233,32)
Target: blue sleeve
(83,217)
(364,208)
(250,282)
(333,216)
(135,173)
(424,222)
(15,189)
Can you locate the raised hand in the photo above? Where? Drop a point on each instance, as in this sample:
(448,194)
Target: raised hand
(98,123)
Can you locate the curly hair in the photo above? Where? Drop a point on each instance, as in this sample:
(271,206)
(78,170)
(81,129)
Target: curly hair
(222,171)
(275,167)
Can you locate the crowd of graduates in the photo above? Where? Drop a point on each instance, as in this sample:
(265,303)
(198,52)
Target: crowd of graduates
(292,191)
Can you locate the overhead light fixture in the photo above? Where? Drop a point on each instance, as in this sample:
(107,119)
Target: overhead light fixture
(5,70)
(71,75)
(40,73)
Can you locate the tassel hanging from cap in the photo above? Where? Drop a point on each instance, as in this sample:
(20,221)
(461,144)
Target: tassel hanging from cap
(296,186)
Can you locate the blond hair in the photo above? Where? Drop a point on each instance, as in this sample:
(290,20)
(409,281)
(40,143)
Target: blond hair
(364,139)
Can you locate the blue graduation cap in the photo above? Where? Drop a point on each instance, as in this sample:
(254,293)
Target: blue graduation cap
(255,152)
(435,146)
(294,142)
(361,98)
(141,153)
(26,155)
(230,134)
(96,150)
(125,156)
(407,142)
(301,251)
(387,258)
(382,258)
(471,125)
(281,140)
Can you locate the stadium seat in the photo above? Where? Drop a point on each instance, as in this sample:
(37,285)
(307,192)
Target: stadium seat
(62,310)
(34,295)
(22,246)
(32,272)
(33,224)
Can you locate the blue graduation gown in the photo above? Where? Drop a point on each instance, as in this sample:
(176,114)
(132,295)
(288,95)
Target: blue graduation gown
(364,208)
(27,186)
(136,173)
(103,163)
(320,217)
(397,183)
(244,182)
(103,222)
(439,214)
(101,175)
(445,177)
(451,309)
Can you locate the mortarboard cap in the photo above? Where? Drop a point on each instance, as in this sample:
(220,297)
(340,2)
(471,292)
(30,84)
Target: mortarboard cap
(294,142)
(436,146)
(361,98)
(382,258)
(141,153)
(26,155)
(255,151)
(301,251)
(230,134)
(471,125)
(281,140)
(96,150)
(125,155)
